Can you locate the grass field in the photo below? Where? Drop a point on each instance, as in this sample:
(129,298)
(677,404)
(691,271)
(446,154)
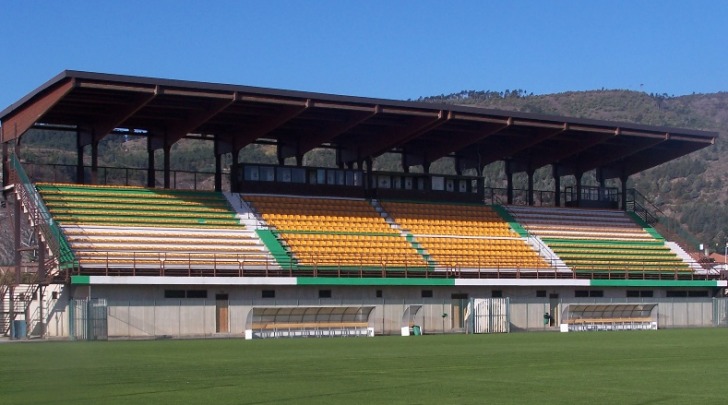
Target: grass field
(647,367)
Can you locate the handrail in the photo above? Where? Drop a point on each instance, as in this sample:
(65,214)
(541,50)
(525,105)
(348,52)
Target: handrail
(129,176)
(205,264)
(653,215)
(41,216)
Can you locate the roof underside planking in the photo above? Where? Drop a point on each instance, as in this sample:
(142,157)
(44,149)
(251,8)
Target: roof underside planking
(358,128)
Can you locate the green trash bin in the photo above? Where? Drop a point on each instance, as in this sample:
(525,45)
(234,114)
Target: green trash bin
(416,330)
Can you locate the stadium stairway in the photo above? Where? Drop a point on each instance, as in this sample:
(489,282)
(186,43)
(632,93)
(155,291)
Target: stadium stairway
(252,220)
(340,235)
(601,243)
(403,233)
(685,256)
(4,310)
(180,232)
(465,237)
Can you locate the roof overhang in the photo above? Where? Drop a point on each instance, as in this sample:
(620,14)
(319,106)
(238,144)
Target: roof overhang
(359,128)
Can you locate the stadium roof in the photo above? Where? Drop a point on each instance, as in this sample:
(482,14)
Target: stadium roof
(359,128)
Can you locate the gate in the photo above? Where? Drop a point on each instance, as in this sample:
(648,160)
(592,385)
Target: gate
(488,315)
(88,319)
(720,312)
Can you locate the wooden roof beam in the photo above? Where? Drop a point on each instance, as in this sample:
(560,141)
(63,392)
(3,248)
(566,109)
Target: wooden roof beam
(621,152)
(243,137)
(312,141)
(513,148)
(16,124)
(572,151)
(399,136)
(118,116)
(179,129)
(457,143)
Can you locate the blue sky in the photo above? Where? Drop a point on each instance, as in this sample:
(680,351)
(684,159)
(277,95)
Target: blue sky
(384,49)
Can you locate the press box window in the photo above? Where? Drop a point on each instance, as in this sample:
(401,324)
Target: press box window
(174,293)
(185,293)
(640,293)
(196,293)
(588,293)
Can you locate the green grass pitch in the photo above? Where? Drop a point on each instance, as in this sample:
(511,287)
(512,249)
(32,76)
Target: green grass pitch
(646,367)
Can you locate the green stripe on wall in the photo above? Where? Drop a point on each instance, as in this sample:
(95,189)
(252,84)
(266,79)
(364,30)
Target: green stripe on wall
(654,283)
(374,281)
(81,280)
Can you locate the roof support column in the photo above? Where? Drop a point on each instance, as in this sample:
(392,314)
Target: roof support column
(234,169)
(223,146)
(557,184)
(17,212)
(218,172)
(578,176)
(509,181)
(428,180)
(41,273)
(623,197)
(529,173)
(95,161)
(166,153)
(480,183)
(83,138)
(6,166)
(151,180)
(369,173)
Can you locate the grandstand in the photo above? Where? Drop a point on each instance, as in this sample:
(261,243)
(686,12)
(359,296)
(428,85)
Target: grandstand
(344,250)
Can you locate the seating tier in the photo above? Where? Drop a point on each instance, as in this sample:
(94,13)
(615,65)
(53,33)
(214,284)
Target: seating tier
(136,206)
(599,241)
(329,232)
(464,236)
(133,226)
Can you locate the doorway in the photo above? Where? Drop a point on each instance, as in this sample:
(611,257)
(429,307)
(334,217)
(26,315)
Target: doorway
(554,309)
(222,324)
(459,303)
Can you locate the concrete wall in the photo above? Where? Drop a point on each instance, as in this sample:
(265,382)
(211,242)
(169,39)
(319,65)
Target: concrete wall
(144,312)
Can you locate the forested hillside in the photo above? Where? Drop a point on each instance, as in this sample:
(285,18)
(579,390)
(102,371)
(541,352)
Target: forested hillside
(690,190)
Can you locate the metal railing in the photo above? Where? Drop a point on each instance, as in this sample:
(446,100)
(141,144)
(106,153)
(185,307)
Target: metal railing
(41,217)
(223,265)
(119,176)
(655,217)
(499,195)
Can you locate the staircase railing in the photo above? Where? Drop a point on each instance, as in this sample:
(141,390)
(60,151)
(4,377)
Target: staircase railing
(5,313)
(41,217)
(655,217)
